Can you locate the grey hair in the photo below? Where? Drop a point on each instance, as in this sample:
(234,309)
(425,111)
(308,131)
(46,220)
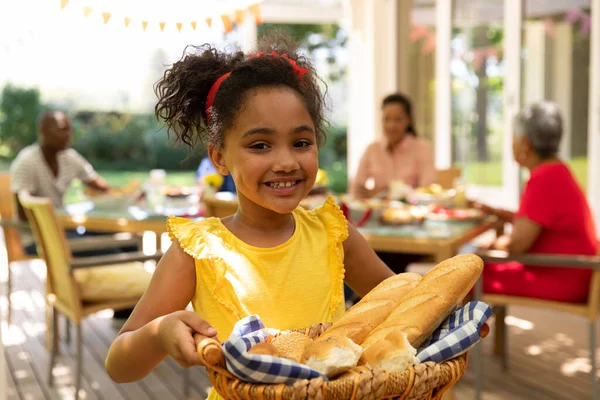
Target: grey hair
(542,124)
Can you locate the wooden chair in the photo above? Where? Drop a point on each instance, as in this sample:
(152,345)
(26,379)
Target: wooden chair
(219,208)
(446,177)
(66,293)
(13,229)
(589,310)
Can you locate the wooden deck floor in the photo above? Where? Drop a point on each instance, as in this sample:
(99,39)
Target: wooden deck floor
(548,353)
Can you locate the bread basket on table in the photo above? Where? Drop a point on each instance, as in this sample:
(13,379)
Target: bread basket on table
(419,382)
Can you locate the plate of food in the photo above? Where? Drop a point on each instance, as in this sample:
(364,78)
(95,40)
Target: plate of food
(455,214)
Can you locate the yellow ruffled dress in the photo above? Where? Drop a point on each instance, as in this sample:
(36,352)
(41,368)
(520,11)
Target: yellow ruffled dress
(293,285)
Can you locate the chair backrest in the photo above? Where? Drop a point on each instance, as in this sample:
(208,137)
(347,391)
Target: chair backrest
(12,238)
(446,177)
(51,241)
(219,208)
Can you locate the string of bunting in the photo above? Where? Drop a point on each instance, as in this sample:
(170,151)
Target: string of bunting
(227,19)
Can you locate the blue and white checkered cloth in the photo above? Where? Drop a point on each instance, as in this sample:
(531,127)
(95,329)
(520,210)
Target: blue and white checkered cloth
(458,333)
(259,368)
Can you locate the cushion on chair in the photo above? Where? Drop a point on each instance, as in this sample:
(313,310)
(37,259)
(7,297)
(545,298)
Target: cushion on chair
(113,282)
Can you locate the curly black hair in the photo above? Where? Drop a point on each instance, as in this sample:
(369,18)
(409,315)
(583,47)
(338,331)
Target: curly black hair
(182,91)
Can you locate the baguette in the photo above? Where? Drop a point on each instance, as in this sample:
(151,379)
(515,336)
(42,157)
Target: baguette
(372,309)
(426,306)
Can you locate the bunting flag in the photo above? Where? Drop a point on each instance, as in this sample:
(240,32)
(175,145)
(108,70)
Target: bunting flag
(228,17)
(87,11)
(227,24)
(255,11)
(239,17)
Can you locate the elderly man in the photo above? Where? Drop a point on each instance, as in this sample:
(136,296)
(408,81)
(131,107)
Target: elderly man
(48,167)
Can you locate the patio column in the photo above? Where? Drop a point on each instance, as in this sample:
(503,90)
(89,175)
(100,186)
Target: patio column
(249,35)
(3,369)
(594,115)
(534,73)
(403,27)
(513,17)
(371,72)
(443,94)
(562,81)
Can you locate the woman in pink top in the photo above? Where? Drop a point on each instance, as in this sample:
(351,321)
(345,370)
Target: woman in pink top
(401,155)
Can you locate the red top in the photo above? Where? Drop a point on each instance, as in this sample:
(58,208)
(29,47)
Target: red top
(553,199)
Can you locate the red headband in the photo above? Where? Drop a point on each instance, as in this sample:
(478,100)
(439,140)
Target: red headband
(212,93)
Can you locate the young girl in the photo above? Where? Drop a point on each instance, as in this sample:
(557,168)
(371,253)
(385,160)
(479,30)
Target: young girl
(262,117)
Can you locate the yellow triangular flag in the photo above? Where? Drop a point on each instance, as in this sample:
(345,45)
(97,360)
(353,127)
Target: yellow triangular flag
(63,4)
(227,24)
(105,16)
(255,10)
(209,22)
(87,11)
(162,26)
(127,21)
(193,25)
(144,25)
(239,16)
(179,25)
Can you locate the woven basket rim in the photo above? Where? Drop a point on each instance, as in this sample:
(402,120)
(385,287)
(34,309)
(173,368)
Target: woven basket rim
(417,380)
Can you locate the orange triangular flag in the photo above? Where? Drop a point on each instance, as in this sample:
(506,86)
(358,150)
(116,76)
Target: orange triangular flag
(144,25)
(227,24)
(87,11)
(127,21)
(179,25)
(106,16)
(209,22)
(255,10)
(193,25)
(162,26)
(239,16)
(63,4)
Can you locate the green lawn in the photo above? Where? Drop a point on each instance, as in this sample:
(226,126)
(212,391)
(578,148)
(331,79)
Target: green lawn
(490,173)
(121,178)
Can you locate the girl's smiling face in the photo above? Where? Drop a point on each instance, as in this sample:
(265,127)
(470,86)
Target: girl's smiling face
(271,150)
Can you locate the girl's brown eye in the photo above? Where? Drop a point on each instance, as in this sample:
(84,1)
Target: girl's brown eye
(258,146)
(302,143)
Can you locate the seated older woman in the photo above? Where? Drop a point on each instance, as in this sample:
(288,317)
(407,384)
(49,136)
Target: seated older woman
(553,218)
(400,156)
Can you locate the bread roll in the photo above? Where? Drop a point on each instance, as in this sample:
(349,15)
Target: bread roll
(393,354)
(291,345)
(264,348)
(372,309)
(333,356)
(430,302)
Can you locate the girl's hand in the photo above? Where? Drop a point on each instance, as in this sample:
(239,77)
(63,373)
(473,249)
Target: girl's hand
(176,334)
(480,206)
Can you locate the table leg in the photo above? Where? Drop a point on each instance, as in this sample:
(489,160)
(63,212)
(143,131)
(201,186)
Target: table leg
(158,242)
(443,253)
(449,394)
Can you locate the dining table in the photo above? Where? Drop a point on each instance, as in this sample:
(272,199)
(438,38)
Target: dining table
(436,239)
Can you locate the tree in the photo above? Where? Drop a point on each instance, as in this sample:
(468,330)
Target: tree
(19,110)
(327,38)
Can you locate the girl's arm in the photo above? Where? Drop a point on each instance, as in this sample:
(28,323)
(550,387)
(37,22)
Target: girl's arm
(364,269)
(158,326)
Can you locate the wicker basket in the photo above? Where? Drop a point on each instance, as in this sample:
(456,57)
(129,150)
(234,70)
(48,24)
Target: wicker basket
(422,382)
